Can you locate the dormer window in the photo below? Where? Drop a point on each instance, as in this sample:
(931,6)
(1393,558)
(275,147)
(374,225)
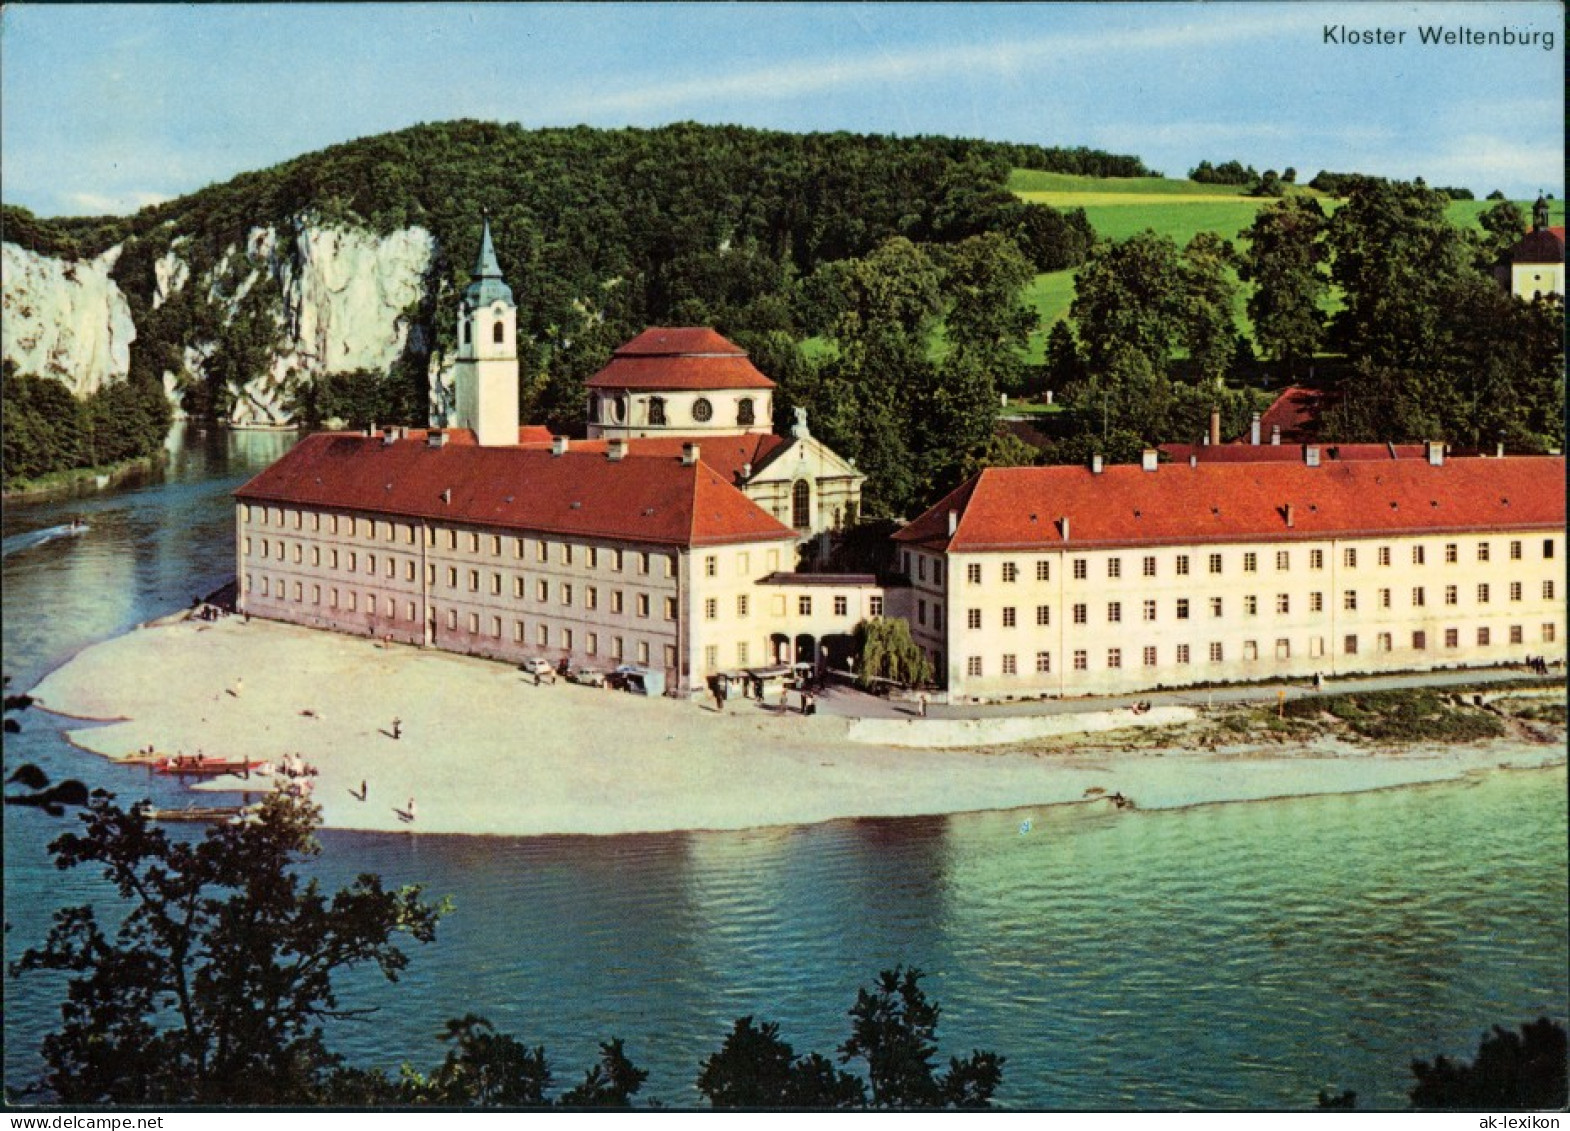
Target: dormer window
(744,411)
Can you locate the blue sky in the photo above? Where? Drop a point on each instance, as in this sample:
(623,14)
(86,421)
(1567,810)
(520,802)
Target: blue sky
(104,108)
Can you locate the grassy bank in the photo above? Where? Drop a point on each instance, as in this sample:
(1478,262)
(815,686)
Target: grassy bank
(82,480)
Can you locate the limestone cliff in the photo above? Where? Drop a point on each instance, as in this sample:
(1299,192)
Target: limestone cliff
(305,299)
(65,319)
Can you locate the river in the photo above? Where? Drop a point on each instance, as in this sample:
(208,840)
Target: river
(1231,957)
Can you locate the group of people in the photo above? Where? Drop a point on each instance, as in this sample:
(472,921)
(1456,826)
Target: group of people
(1537,665)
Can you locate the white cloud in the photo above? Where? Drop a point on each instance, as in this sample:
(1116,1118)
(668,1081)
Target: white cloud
(100,204)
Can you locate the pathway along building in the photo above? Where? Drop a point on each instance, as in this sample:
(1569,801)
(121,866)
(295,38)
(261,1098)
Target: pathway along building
(1076,581)
(672,544)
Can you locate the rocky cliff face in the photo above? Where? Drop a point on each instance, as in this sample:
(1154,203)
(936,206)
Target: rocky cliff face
(338,298)
(67,320)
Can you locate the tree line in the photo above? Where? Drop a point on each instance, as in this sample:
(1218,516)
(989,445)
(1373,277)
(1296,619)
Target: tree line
(47,430)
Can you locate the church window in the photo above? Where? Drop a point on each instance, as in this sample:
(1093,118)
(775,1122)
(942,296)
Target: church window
(656,410)
(463,332)
(498,333)
(744,413)
(702,410)
(801,505)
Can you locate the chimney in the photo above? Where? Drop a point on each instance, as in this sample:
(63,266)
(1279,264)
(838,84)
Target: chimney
(1275,435)
(953,523)
(1311,455)
(616,450)
(1289,515)
(1253,431)
(1193,460)
(371,431)
(447,495)
(1215,425)
(1095,464)
(746,472)
(558,445)
(1063,526)
(388,437)
(689,454)
(1149,458)
(1436,454)
(436,438)
(1499,449)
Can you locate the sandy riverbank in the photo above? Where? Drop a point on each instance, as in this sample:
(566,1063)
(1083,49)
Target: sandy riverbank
(483,751)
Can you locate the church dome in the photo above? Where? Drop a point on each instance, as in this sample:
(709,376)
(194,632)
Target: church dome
(674,358)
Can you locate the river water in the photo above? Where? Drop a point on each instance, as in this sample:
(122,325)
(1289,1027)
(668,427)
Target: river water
(1239,956)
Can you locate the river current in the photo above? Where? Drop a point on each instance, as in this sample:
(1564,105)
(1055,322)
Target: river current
(1232,957)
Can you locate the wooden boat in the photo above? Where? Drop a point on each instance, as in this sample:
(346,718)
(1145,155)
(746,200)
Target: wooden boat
(197,813)
(190,765)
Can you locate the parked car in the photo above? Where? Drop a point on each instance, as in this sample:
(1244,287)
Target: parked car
(589,677)
(541,670)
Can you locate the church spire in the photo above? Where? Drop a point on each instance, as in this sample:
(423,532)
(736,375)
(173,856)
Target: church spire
(487,285)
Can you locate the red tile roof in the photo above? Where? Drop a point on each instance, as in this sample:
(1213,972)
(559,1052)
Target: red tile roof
(1545,246)
(681,357)
(1297,411)
(642,498)
(1009,508)
(725,454)
(1291,453)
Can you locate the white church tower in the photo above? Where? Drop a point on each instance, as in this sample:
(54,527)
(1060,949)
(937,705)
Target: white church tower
(485,371)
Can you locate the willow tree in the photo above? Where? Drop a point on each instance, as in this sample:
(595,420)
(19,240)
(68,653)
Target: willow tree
(886,651)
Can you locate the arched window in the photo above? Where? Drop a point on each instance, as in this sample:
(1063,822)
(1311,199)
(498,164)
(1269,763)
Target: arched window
(744,411)
(498,333)
(656,410)
(801,505)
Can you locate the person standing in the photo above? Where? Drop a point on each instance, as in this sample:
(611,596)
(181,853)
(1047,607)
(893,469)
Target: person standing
(921,704)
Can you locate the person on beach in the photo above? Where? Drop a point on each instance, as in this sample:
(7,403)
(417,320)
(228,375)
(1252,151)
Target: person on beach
(397,728)
(921,704)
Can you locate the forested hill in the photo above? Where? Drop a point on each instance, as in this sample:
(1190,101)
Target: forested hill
(600,233)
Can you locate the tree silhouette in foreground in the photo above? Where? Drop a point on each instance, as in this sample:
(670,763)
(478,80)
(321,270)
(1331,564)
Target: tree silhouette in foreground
(1513,1071)
(893,1035)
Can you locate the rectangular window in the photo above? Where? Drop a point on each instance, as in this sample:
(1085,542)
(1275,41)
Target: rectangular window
(542,591)
(517,548)
(1149,568)
(474,623)
(1419,641)
(711,565)
(1482,638)
(617,651)
(711,657)
(542,551)
(1349,600)
(1384,642)
(973,665)
(1283,603)
(1182,565)
(1548,634)
(1283,559)
(1316,559)
(973,573)
(1450,595)
(1150,610)
(1150,656)
(591,597)
(741,653)
(670,609)
(1044,662)
(1043,615)
(1081,660)
(1215,653)
(1517,636)
(1548,549)
(921,568)
(1384,555)
(643,604)
(1452,553)
(711,609)
(643,651)
(1114,612)
(1515,590)
(496,584)
(1548,590)
(1384,598)
(875,605)
(591,643)
(1182,653)
(1182,608)
(616,564)
(1418,597)
(1251,605)
(804,606)
(1114,567)
(841,606)
(741,604)
(1081,570)
(743,563)
(1482,593)
(1515,550)
(921,611)
(1009,665)
(1010,572)
(452,577)
(517,631)
(1114,657)
(1283,648)
(616,600)
(1250,562)
(643,567)
(1417,555)
(1043,569)
(1215,606)
(496,627)
(1250,650)
(1316,602)
(1452,638)
(1349,645)
(1079,614)
(972,618)
(566,553)
(937,615)
(1009,617)
(1215,563)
